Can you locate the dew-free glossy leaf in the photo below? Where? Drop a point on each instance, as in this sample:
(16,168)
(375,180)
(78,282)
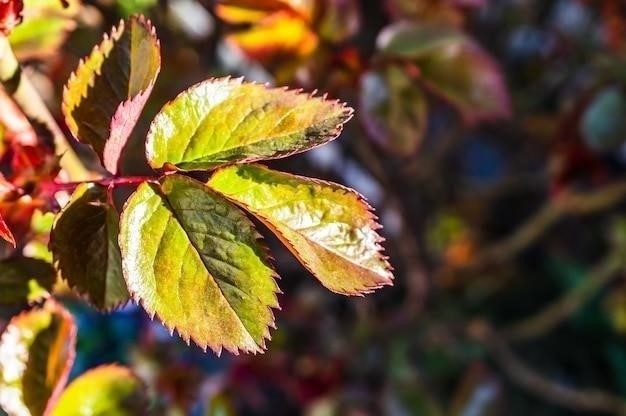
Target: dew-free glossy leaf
(194,259)
(24,279)
(85,249)
(46,25)
(328,227)
(36,354)
(104,97)
(108,390)
(225,121)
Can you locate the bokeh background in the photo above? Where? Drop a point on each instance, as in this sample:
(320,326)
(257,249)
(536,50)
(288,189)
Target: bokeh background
(489,136)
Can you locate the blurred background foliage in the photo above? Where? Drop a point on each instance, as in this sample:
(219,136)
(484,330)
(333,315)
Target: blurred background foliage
(490,137)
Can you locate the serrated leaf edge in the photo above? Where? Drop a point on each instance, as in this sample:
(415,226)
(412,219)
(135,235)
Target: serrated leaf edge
(345,115)
(217,349)
(372,222)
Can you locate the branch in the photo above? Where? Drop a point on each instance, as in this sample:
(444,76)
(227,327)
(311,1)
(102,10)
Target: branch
(589,400)
(17,84)
(563,206)
(562,308)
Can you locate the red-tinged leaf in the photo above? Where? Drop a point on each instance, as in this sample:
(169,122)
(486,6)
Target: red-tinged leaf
(468,78)
(10,15)
(452,66)
(108,390)
(17,215)
(5,233)
(394,110)
(104,98)
(194,259)
(329,228)
(36,354)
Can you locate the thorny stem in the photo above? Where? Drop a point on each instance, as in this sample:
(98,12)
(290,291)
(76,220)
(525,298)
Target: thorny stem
(19,87)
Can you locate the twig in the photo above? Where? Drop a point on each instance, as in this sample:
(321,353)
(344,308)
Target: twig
(565,205)
(17,84)
(590,400)
(561,309)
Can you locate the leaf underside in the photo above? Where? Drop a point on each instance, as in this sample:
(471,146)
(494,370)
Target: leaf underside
(108,390)
(234,122)
(37,351)
(103,99)
(194,259)
(85,248)
(328,227)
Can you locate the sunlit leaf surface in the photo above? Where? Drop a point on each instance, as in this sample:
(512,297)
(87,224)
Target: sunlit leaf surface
(233,121)
(104,97)
(329,228)
(193,259)
(36,354)
(108,390)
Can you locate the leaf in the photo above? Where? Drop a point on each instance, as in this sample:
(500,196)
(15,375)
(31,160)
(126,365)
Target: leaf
(24,279)
(602,124)
(468,78)
(193,258)
(277,35)
(85,249)
(103,99)
(225,121)
(108,390)
(452,66)
(414,41)
(5,233)
(36,354)
(251,11)
(328,227)
(10,15)
(394,110)
(45,27)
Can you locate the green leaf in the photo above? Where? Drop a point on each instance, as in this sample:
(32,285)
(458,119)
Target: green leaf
(452,66)
(602,124)
(328,227)
(225,121)
(193,258)
(103,99)
(108,390)
(85,249)
(394,110)
(36,354)
(45,27)
(24,280)
(412,41)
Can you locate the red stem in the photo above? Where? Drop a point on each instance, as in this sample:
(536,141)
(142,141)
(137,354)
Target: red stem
(53,187)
